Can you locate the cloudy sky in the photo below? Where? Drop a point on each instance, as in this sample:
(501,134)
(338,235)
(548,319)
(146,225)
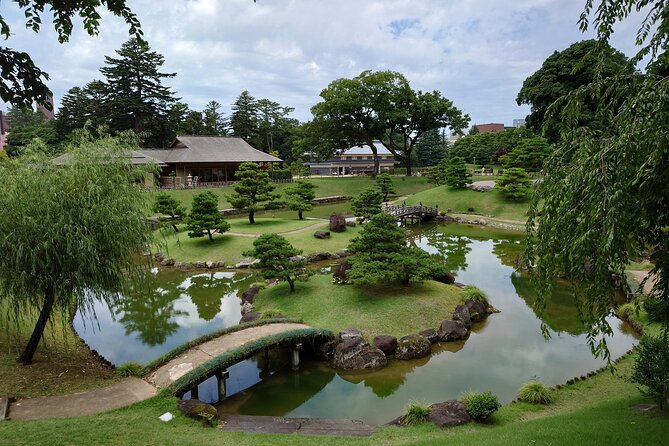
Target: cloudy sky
(476,52)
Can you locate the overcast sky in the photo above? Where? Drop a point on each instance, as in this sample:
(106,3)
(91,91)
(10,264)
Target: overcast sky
(476,52)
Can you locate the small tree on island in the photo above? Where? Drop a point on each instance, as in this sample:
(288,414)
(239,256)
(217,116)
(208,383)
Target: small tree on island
(168,205)
(253,187)
(276,256)
(437,174)
(300,197)
(70,234)
(457,174)
(381,255)
(385,184)
(205,218)
(367,204)
(515,184)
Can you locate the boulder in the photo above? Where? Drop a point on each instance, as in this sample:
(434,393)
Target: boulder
(430,334)
(318,256)
(351,224)
(340,275)
(245,263)
(461,314)
(220,264)
(350,333)
(387,344)
(491,310)
(356,354)
(198,410)
(449,413)
(250,294)
(482,222)
(477,310)
(337,222)
(199,264)
(247,307)
(159,256)
(322,234)
(250,316)
(209,265)
(412,347)
(343,254)
(298,258)
(167,262)
(326,350)
(183,266)
(452,331)
(446,278)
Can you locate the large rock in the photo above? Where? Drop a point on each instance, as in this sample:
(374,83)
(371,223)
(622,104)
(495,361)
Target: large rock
(246,263)
(350,223)
(250,316)
(412,347)
(199,264)
(387,344)
(452,331)
(477,310)
(183,266)
(318,256)
(322,234)
(340,275)
(198,410)
(356,354)
(461,314)
(337,222)
(444,278)
(167,262)
(247,308)
(350,333)
(431,335)
(449,413)
(250,294)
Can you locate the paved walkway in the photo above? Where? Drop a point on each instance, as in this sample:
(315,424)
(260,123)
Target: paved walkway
(304,426)
(133,390)
(639,276)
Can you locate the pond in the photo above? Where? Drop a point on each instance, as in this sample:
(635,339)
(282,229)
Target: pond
(501,353)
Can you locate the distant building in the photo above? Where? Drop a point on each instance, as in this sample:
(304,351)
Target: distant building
(487,128)
(518,122)
(356,160)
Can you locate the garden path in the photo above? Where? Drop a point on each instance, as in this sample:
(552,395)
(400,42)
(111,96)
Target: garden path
(294,231)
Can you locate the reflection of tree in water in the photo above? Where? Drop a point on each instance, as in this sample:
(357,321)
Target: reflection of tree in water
(206,293)
(453,248)
(508,252)
(560,313)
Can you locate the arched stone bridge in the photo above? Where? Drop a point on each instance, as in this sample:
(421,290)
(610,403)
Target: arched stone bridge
(413,213)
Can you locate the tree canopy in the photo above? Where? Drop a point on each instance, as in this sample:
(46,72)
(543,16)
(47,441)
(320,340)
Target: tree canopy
(530,154)
(515,184)
(205,218)
(278,259)
(486,148)
(166,204)
(457,173)
(70,234)
(253,190)
(368,203)
(300,197)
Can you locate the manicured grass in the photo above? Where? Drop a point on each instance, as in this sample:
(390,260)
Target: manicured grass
(266,225)
(229,248)
(62,364)
(393,310)
(460,200)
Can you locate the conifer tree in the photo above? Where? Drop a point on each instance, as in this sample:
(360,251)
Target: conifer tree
(205,218)
(244,118)
(253,190)
(277,259)
(385,184)
(300,197)
(368,203)
(457,173)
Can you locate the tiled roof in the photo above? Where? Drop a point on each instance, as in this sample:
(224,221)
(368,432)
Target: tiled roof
(366,150)
(209,149)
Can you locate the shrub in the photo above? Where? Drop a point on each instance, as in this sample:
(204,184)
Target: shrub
(416,413)
(658,311)
(470,292)
(271,313)
(130,368)
(534,392)
(625,311)
(480,405)
(651,368)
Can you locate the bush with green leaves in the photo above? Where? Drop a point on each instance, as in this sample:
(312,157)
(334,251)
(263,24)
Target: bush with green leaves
(254,190)
(205,218)
(657,309)
(168,205)
(471,292)
(300,196)
(515,184)
(130,368)
(651,368)
(367,204)
(480,405)
(535,392)
(385,184)
(625,311)
(271,313)
(278,259)
(416,414)
(457,173)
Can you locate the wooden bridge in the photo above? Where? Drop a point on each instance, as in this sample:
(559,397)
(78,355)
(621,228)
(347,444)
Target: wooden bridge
(413,213)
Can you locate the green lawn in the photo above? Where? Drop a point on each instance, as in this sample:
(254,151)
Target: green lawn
(266,225)
(229,248)
(394,310)
(460,200)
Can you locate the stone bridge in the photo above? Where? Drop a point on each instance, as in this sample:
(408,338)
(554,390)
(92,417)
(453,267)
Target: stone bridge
(412,213)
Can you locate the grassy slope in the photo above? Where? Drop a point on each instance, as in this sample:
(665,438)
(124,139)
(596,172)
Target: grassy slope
(266,225)
(460,200)
(396,310)
(229,248)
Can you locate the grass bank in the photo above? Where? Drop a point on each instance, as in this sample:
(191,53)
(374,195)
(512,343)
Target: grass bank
(394,310)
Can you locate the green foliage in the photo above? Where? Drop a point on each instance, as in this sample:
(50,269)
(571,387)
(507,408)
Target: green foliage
(480,405)
(130,368)
(415,414)
(271,313)
(534,392)
(657,308)
(515,184)
(651,368)
(300,197)
(168,205)
(626,311)
(27,125)
(430,148)
(457,174)
(437,174)
(367,204)
(205,218)
(486,148)
(385,184)
(244,116)
(275,254)
(471,292)
(70,233)
(253,190)
(530,154)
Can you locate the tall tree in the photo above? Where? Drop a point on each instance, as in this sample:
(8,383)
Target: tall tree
(205,218)
(74,246)
(368,203)
(81,106)
(529,154)
(253,190)
(605,194)
(22,82)
(300,197)
(138,99)
(166,204)
(457,173)
(430,148)
(563,72)
(25,125)
(214,121)
(244,116)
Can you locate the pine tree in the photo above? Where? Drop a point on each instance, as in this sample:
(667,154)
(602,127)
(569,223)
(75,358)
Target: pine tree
(168,205)
(252,188)
(385,184)
(205,218)
(300,197)
(244,118)
(368,203)
(137,98)
(430,148)
(83,106)
(457,173)
(515,184)
(276,256)
(214,121)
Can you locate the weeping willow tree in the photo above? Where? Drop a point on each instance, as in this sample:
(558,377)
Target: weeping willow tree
(70,234)
(605,194)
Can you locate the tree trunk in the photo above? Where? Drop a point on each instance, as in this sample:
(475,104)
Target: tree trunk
(26,357)
(407,163)
(251,219)
(299,215)
(211,239)
(291,283)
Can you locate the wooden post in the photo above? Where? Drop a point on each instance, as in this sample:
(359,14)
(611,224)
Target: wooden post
(221,377)
(296,356)
(194,393)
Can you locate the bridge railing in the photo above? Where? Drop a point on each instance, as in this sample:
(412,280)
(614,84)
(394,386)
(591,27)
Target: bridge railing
(399,209)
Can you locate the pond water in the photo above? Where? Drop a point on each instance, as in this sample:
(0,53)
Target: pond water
(501,353)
